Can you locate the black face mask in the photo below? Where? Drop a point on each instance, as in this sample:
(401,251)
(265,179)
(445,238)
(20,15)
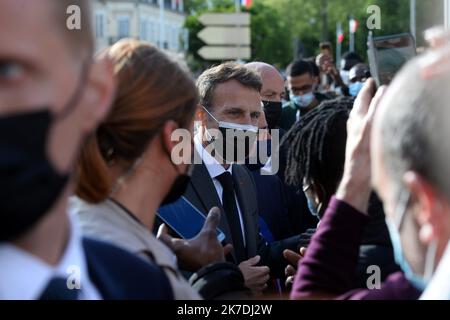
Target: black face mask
(272,111)
(29,183)
(180,184)
(235,139)
(256,162)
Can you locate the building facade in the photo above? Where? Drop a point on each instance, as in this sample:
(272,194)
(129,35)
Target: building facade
(157,21)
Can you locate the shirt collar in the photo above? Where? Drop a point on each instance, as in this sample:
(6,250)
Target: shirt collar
(214,168)
(24,276)
(439,287)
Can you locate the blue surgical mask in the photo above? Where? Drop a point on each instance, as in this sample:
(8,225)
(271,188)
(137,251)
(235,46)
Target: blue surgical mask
(312,207)
(418,281)
(355,88)
(303,101)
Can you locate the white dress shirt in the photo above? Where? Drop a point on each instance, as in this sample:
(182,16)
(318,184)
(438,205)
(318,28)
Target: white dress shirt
(24,276)
(439,287)
(215,169)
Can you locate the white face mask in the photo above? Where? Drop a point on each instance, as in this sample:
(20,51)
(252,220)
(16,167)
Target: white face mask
(232,125)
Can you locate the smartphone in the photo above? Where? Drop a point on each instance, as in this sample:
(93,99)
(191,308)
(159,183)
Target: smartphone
(184,219)
(388,54)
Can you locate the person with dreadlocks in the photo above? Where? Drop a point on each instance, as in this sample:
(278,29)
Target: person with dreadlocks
(315,164)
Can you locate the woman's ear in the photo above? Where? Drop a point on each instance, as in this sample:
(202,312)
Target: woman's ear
(166,138)
(100,92)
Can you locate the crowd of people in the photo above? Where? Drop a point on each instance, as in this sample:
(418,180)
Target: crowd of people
(340,189)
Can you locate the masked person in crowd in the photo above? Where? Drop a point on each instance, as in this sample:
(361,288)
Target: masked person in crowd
(299,218)
(410,122)
(358,75)
(331,80)
(316,157)
(230,103)
(274,221)
(52,94)
(272,92)
(303,97)
(127,171)
(348,61)
(316,73)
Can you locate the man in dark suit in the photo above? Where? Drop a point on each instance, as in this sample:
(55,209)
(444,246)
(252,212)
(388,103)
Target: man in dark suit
(231,102)
(48,86)
(294,205)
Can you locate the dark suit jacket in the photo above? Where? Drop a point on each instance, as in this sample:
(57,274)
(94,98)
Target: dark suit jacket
(272,205)
(120,275)
(202,194)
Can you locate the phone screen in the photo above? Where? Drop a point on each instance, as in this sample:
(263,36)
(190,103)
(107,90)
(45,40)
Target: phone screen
(184,219)
(390,54)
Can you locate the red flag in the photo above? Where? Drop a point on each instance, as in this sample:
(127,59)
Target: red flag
(246,3)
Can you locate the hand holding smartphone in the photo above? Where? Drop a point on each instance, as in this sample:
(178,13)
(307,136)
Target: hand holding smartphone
(388,54)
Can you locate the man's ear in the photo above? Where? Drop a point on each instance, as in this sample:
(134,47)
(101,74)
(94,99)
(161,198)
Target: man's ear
(200,115)
(429,206)
(100,92)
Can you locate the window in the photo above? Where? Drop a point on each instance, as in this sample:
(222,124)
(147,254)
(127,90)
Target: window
(152,32)
(123,26)
(99,25)
(144,32)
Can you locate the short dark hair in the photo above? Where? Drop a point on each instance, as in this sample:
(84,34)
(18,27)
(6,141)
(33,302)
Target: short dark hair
(316,145)
(351,60)
(208,80)
(314,67)
(325,45)
(298,68)
(414,128)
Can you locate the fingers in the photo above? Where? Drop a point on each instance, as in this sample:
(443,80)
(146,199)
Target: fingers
(227,249)
(289,281)
(253,261)
(212,220)
(362,102)
(259,275)
(291,257)
(376,102)
(162,231)
(289,271)
(302,251)
(163,235)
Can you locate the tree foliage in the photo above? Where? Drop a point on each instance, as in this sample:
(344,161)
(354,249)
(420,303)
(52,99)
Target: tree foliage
(282,28)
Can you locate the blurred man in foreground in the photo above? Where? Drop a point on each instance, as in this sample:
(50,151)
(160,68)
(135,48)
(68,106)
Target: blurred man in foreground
(52,95)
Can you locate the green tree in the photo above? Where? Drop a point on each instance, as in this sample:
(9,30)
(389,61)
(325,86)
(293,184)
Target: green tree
(270,37)
(281,28)
(271,40)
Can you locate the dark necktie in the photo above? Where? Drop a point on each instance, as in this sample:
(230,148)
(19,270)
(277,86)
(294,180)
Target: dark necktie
(232,213)
(57,290)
